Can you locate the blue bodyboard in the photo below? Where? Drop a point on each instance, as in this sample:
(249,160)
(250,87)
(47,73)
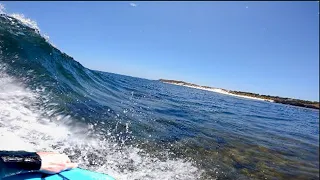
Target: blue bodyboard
(74,174)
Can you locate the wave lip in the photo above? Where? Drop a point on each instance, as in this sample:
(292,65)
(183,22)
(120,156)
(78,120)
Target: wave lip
(133,128)
(47,103)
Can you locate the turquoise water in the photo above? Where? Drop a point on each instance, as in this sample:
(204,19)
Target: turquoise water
(133,128)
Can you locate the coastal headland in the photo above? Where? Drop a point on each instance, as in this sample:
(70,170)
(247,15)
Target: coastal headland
(248,95)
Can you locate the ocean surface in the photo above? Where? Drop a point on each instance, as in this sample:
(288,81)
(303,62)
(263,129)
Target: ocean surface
(133,128)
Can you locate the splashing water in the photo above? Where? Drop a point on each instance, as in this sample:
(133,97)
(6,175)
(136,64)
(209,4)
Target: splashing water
(134,128)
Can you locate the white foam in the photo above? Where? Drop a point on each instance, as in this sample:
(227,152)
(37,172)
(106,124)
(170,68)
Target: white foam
(2,9)
(23,127)
(19,119)
(27,22)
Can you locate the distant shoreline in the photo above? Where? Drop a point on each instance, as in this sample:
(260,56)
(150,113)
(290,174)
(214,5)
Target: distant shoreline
(247,95)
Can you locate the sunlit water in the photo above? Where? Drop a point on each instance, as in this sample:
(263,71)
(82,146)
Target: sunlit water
(134,128)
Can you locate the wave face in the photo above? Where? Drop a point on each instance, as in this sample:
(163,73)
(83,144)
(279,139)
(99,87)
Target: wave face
(134,128)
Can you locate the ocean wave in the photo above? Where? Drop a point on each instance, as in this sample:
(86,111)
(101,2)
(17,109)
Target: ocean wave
(44,95)
(133,128)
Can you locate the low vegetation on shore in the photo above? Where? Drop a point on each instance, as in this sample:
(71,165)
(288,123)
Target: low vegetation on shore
(276,99)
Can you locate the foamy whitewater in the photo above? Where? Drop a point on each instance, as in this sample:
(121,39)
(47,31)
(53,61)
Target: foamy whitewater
(133,128)
(23,127)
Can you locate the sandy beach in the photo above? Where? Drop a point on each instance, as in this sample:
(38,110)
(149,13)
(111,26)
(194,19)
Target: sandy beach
(221,91)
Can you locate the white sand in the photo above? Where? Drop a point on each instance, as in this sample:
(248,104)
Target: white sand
(218,90)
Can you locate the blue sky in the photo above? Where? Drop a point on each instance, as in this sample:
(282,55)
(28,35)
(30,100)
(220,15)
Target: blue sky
(263,47)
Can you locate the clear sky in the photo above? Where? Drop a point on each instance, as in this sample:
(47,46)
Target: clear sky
(263,47)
